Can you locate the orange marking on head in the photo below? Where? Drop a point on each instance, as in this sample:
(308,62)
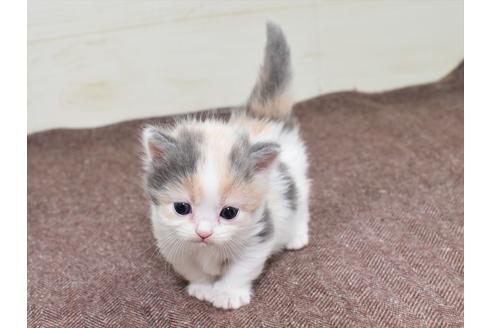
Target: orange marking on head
(246,195)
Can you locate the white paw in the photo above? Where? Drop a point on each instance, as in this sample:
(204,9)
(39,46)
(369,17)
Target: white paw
(230,298)
(300,240)
(201,291)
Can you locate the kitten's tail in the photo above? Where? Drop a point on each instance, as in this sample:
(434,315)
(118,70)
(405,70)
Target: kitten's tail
(271,97)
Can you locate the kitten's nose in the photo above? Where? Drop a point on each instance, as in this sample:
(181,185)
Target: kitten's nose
(203,235)
(203,229)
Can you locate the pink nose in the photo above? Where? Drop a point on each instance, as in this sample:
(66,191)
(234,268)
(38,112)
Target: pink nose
(204,235)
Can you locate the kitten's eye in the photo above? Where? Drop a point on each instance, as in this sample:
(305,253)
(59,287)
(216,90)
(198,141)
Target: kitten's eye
(228,212)
(182,208)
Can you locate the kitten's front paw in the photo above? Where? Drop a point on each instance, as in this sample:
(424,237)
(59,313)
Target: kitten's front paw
(230,298)
(299,241)
(201,291)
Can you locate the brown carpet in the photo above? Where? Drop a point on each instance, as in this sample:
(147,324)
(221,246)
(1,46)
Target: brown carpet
(386,232)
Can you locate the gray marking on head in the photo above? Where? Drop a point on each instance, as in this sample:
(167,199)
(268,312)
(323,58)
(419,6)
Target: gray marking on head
(239,160)
(179,160)
(275,73)
(154,199)
(267,225)
(245,158)
(290,193)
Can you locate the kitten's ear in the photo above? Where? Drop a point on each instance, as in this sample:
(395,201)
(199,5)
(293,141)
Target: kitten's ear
(263,154)
(156,143)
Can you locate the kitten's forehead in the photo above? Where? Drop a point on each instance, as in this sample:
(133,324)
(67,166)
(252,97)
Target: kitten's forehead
(203,150)
(209,141)
(208,164)
(224,172)
(219,155)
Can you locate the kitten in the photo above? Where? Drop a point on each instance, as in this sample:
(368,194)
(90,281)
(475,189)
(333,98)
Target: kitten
(228,194)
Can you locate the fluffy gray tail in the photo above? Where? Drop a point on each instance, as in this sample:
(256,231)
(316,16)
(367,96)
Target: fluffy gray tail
(270,97)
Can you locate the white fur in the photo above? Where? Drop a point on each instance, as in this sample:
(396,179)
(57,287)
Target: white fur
(229,287)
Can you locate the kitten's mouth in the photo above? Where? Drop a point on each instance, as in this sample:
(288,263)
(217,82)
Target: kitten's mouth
(201,242)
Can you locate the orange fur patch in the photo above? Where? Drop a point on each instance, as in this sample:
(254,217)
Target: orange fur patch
(245,195)
(279,107)
(254,126)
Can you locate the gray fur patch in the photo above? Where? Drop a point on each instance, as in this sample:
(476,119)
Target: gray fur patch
(262,151)
(275,72)
(245,158)
(290,193)
(239,160)
(154,200)
(267,225)
(180,159)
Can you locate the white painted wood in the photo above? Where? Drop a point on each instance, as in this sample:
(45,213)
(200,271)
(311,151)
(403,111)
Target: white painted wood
(96,62)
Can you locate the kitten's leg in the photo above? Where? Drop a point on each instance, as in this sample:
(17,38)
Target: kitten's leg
(300,235)
(199,290)
(233,289)
(200,283)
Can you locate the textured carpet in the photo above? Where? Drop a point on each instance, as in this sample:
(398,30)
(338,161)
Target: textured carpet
(386,232)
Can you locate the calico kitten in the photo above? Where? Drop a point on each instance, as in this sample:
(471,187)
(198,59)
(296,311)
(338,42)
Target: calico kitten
(228,194)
